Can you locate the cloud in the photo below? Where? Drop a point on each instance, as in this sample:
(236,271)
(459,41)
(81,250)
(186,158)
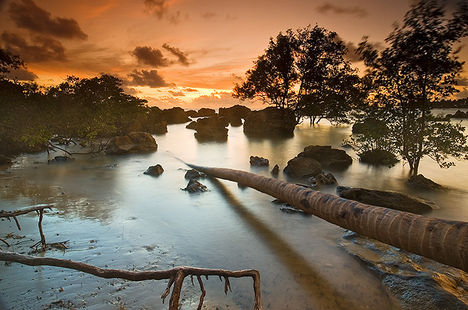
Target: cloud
(187,89)
(149,78)
(2,4)
(20,74)
(150,56)
(181,56)
(336,9)
(462,94)
(27,15)
(41,49)
(157,7)
(177,93)
(208,15)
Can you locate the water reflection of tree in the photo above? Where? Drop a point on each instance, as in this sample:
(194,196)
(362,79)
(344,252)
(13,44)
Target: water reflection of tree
(21,190)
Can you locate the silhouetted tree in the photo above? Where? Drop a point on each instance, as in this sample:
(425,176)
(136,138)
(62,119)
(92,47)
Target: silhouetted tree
(418,67)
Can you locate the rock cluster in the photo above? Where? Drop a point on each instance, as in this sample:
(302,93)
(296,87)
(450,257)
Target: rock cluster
(134,142)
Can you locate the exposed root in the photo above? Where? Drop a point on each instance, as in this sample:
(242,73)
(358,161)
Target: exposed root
(176,275)
(7,244)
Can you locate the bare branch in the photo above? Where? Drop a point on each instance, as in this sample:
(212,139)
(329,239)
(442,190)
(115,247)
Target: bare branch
(176,275)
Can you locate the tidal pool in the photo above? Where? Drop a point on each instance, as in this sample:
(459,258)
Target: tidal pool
(114,216)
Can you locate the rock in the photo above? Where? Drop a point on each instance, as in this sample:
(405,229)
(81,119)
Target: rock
(205,112)
(378,157)
(193,174)
(134,142)
(175,115)
(155,171)
(60,159)
(211,129)
(192,125)
(386,199)
(270,122)
(4,160)
(191,113)
(326,178)
(194,186)
(458,114)
(421,182)
(275,171)
(412,281)
(158,128)
(234,114)
(328,157)
(259,161)
(303,167)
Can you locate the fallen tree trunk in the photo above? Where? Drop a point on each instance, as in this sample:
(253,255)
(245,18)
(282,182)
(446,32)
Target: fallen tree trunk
(441,240)
(176,275)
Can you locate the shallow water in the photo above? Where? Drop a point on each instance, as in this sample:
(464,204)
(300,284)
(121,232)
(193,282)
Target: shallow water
(115,216)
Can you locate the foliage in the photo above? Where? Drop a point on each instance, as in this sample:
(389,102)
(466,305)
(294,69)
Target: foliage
(418,67)
(304,70)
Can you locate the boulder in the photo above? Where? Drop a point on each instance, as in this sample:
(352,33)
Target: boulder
(328,157)
(270,122)
(205,112)
(193,174)
(4,160)
(421,182)
(259,161)
(158,128)
(325,178)
(386,199)
(192,125)
(378,157)
(134,142)
(211,129)
(175,115)
(275,171)
(191,113)
(303,167)
(155,171)
(412,281)
(194,186)
(234,114)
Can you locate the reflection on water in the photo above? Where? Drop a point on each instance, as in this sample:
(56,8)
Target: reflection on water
(138,221)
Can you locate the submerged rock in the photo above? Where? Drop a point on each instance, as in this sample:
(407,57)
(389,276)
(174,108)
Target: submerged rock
(270,122)
(258,161)
(378,157)
(302,167)
(414,282)
(421,182)
(211,129)
(326,178)
(194,186)
(134,142)
(386,199)
(60,159)
(327,156)
(275,171)
(193,174)
(155,171)
(175,115)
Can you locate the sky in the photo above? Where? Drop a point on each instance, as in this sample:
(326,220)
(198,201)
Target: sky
(187,53)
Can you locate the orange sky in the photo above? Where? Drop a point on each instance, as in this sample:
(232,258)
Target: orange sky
(175,52)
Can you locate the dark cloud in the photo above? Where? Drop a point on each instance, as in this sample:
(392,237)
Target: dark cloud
(21,74)
(181,56)
(187,89)
(149,78)
(150,56)
(177,93)
(26,14)
(39,50)
(209,15)
(333,8)
(2,4)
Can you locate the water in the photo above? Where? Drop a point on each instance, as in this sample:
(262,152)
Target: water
(115,216)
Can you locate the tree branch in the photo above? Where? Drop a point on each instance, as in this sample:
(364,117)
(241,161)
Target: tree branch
(176,275)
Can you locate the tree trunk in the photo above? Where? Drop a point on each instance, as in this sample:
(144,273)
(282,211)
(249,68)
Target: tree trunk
(442,240)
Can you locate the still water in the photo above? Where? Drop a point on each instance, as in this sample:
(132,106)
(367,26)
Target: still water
(114,216)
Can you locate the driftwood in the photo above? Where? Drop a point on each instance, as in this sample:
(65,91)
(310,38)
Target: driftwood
(175,276)
(39,210)
(441,240)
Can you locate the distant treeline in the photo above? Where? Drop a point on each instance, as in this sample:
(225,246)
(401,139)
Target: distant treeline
(456,103)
